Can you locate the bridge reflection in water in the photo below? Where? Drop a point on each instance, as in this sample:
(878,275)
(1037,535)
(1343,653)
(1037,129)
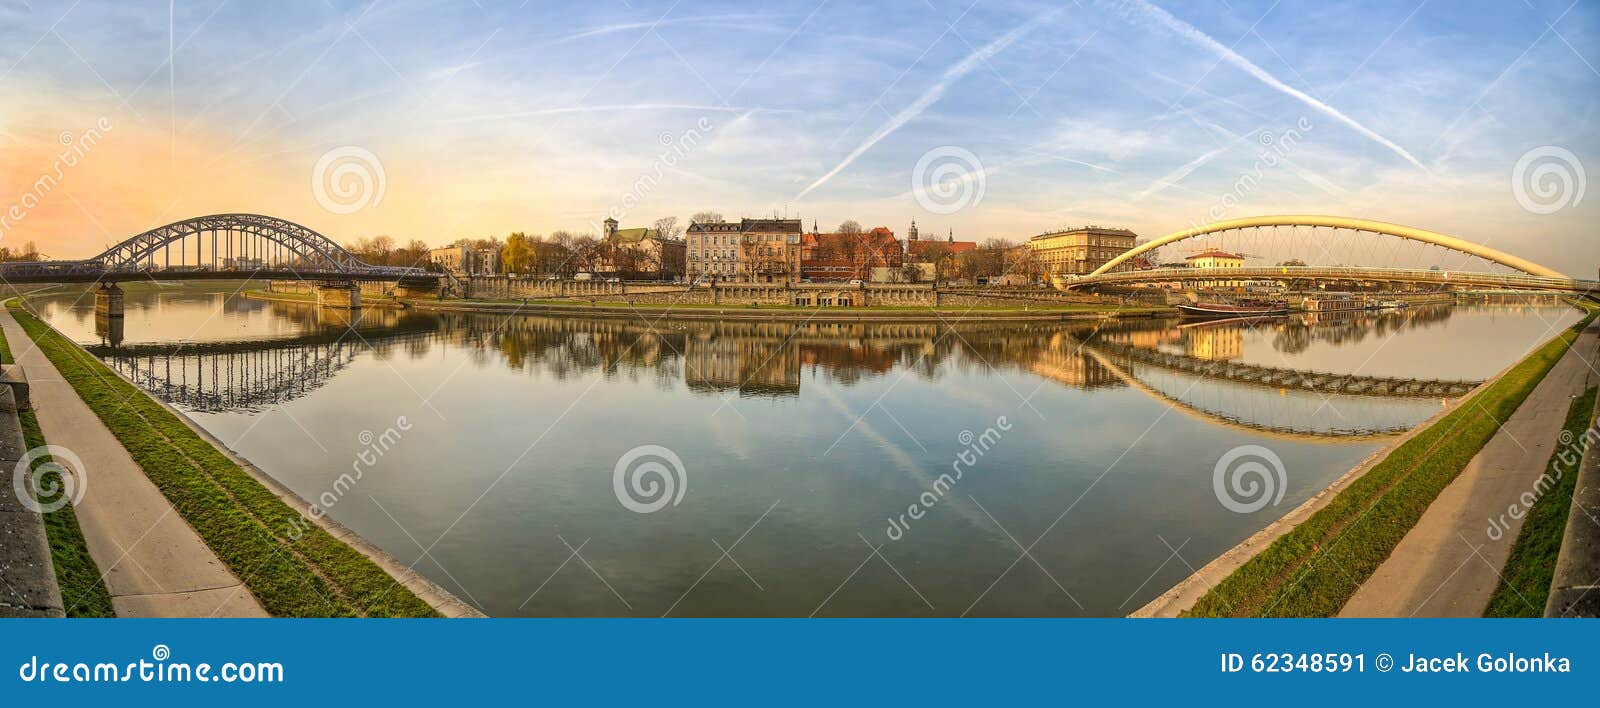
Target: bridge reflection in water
(1196,370)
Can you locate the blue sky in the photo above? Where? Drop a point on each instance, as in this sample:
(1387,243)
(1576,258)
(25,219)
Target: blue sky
(490,116)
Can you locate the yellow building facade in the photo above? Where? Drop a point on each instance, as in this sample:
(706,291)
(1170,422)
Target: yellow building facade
(1219,260)
(1080,251)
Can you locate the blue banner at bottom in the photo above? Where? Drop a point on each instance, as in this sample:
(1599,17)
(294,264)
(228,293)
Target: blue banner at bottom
(973,662)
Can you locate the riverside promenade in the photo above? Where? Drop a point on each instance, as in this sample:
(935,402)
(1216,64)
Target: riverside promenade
(1448,565)
(154,563)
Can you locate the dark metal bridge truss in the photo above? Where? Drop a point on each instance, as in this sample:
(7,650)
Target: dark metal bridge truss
(214,247)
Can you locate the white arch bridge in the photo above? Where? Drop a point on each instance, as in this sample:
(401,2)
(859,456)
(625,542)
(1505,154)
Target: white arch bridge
(1505,271)
(217,247)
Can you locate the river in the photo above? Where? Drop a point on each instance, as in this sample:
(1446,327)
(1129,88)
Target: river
(788,469)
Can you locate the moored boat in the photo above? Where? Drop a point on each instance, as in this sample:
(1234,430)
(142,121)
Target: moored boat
(1241,309)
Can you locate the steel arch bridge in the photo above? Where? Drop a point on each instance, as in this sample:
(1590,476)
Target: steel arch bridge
(1529,275)
(218,246)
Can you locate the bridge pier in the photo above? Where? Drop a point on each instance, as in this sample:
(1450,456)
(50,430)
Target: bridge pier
(417,288)
(346,295)
(108,301)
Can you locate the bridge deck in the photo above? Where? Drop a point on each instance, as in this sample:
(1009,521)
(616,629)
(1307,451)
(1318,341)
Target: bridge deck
(1335,273)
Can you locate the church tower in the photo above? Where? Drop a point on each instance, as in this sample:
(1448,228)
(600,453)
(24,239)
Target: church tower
(911,233)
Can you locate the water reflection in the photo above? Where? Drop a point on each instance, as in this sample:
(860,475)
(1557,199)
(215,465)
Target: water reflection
(1195,368)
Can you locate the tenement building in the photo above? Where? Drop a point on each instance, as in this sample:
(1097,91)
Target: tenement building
(461,260)
(749,250)
(1080,251)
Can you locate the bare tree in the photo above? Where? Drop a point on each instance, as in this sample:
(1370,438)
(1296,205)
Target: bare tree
(910,272)
(667,227)
(587,252)
(941,256)
(764,255)
(706,217)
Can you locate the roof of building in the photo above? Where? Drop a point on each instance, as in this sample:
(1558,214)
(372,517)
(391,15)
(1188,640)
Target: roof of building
(879,236)
(1214,253)
(955,247)
(1086,229)
(712,226)
(634,235)
(787,226)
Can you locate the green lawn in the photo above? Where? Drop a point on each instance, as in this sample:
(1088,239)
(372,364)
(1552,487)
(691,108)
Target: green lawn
(240,519)
(1315,568)
(1525,581)
(83,593)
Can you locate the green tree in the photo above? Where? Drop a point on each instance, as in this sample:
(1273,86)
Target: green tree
(517,255)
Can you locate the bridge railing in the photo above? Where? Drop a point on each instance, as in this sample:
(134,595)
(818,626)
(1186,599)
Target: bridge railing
(1444,277)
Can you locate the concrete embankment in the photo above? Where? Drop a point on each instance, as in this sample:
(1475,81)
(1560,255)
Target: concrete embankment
(1575,590)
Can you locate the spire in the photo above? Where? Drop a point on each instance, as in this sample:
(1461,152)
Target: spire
(952,234)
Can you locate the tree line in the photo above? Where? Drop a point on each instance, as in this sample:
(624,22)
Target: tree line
(27,252)
(564,253)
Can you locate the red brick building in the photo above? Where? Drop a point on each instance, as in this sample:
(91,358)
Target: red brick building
(925,251)
(920,251)
(842,256)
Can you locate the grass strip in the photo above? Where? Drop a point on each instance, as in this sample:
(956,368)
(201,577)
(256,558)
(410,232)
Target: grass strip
(1525,581)
(83,593)
(1313,570)
(242,521)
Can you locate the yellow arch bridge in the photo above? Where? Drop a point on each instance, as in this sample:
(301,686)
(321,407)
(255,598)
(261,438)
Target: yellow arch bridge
(1528,275)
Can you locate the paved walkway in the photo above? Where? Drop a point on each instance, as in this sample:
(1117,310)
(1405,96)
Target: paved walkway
(154,564)
(1449,565)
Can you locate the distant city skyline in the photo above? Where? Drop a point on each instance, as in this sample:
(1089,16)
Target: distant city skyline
(480,119)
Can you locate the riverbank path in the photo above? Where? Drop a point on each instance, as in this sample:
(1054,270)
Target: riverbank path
(1449,564)
(153,563)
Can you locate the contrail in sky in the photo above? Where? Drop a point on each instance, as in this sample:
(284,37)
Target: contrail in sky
(743,110)
(932,95)
(609,29)
(1189,32)
(1174,177)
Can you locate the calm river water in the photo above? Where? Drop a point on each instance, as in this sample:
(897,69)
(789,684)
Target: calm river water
(878,470)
